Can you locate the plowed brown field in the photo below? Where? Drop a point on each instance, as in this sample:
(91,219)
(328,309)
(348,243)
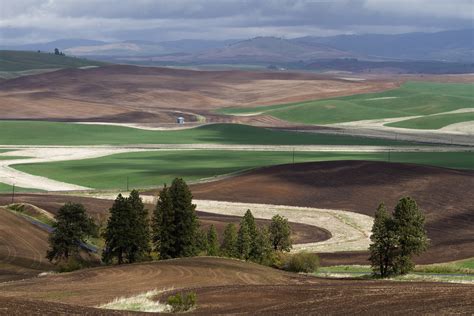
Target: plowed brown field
(225,286)
(120,93)
(445,196)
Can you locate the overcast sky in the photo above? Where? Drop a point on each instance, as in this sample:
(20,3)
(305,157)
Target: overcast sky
(31,21)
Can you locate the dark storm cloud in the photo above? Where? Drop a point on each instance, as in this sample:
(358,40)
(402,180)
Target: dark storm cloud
(175,19)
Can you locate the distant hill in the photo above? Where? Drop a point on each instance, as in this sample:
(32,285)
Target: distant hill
(457,45)
(14,61)
(61,44)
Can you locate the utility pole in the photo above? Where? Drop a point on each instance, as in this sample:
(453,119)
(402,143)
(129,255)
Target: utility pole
(293,156)
(127,183)
(13,193)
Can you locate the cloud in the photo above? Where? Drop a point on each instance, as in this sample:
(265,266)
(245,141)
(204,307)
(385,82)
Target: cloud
(218,19)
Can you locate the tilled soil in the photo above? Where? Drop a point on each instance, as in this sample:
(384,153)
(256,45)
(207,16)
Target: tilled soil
(226,286)
(445,195)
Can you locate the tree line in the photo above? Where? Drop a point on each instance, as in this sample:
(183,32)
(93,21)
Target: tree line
(172,231)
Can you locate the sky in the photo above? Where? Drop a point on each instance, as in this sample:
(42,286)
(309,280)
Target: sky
(33,21)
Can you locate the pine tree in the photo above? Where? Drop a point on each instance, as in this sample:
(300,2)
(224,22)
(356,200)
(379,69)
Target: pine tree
(212,242)
(118,233)
(229,242)
(263,251)
(164,225)
(249,219)
(384,243)
(71,229)
(202,244)
(244,243)
(185,219)
(409,224)
(140,244)
(280,233)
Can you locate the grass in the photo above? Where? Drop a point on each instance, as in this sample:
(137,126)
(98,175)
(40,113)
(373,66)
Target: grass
(412,98)
(56,133)
(434,121)
(154,168)
(462,266)
(6,188)
(140,303)
(15,61)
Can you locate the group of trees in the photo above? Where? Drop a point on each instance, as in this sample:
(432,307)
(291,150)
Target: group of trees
(57,52)
(172,232)
(396,238)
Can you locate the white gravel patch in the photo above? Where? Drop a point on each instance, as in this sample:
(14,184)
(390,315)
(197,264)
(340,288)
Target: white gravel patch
(381,98)
(350,231)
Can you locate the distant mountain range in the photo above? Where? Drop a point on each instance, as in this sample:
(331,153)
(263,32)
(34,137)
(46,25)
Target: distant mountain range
(434,51)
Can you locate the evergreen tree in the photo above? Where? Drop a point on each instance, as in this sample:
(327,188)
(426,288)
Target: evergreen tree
(244,243)
(384,243)
(263,251)
(118,233)
(409,223)
(164,225)
(202,245)
(140,225)
(185,219)
(212,242)
(229,242)
(71,228)
(280,233)
(252,227)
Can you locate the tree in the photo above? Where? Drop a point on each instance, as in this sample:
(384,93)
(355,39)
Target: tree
(202,244)
(263,249)
(409,223)
(118,234)
(140,225)
(212,242)
(71,229)
(56,51)
(280,233)
(175,226)
(395,239)
(185,219)
(164,225)
(252,228)
(229,242)
(384,243)
(244,243)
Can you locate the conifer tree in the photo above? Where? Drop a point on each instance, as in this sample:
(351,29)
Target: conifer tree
(202,244)
(280,233)
(140,243)
(249,219)
(71,229)
(229,242)
(185,220)
(263,251)
(164,225)
(412,239)
(384,243)
(118,233)
(244,243)
(212,242)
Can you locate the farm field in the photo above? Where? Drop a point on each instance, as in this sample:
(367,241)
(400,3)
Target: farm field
(56,133)
(412,98)
(154,168)
(434,121)
(251,289)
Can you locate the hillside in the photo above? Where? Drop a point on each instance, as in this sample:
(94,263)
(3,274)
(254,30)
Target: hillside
(12,61)
(226,286)
(443,194)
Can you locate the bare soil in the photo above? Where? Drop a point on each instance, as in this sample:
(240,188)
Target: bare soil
(225,286)
(121,93)
(445,195)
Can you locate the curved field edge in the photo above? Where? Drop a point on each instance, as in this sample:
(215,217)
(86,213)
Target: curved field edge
(58,133)
(411,99)
(434,121)
(154,168)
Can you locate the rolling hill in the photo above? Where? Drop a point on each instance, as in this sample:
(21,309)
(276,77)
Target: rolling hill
(15,61)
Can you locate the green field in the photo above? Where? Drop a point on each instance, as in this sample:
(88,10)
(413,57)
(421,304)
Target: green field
(147,169)
(14,61)
(412,98)
(434,121)
(56,133)
(5,188)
